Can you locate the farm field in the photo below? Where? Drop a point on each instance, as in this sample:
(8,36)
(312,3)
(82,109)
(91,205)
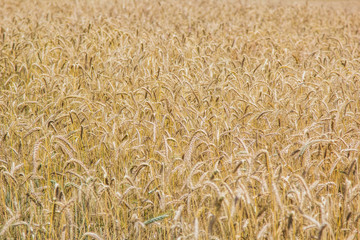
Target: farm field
(124,119)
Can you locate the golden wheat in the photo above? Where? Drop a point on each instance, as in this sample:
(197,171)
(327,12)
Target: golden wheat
(167,119)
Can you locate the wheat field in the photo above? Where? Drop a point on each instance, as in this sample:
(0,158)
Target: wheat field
(123,119)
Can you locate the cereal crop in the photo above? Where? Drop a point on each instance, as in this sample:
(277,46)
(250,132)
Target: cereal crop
(198,119)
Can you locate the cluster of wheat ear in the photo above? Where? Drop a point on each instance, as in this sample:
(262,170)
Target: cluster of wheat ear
(200,119)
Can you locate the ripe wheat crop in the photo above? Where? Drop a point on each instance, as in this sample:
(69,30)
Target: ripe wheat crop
(199,119)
